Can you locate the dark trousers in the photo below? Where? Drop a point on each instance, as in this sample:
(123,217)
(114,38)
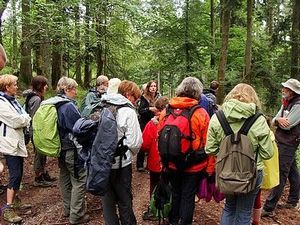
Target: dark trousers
(184,187)
(287,170)
(119,195)
(154,179)
(140,158)
(15,171)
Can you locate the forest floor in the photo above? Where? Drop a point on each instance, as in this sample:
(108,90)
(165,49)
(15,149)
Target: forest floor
(47,205)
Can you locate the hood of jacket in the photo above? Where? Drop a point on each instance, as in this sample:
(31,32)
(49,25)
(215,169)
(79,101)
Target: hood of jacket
(115,99)
(235,110)
(182,102)
(55,99)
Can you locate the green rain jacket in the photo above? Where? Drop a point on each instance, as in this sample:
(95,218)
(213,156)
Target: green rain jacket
(236,113)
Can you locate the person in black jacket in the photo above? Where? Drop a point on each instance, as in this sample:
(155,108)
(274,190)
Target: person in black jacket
(146,111)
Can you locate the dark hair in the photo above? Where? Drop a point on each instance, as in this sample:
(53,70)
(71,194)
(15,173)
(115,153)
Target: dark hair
(38,83)
(214,85)
(161,103)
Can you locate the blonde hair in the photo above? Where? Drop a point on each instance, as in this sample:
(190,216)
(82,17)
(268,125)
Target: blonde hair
(65,83)
(244,93)
(7,80)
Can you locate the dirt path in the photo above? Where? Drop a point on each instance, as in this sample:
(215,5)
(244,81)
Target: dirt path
(47,206)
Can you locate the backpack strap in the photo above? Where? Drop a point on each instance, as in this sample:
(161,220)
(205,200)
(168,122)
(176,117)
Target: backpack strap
(224,123)
(249,122)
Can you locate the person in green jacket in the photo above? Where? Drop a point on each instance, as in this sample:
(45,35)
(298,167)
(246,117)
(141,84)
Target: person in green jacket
(241,103)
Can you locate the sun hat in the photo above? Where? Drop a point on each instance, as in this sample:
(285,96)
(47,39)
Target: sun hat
(293,85)
(113,85)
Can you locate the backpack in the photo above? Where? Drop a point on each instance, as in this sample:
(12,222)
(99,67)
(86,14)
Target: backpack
(176,137)
(46,137)
(236,161)
(207,102)
(161,198)
(105,146)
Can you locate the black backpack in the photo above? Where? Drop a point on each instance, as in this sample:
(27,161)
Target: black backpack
(236,161)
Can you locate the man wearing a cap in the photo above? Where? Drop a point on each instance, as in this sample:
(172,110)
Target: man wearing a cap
(287,136)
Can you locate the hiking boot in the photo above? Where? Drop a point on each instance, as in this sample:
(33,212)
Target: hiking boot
(84,219)
(40,182)
(10,215)
(287,206)
(47,177)
(149,216)
(141,170)
(19,205)
(265,213)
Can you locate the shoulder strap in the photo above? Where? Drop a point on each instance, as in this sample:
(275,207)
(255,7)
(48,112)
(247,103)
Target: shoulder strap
(249,122)
(59,104)
(224,123)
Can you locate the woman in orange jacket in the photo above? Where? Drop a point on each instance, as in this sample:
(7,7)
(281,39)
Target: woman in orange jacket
(185,182)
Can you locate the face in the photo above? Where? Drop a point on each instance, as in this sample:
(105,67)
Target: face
(11,90)
(71,93)
(45,89)
(132,99)
(286,93)
(153,88)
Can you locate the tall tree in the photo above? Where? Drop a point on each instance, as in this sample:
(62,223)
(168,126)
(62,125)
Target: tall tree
(87,53)
(248,49)
(226,11)
(26,66)
(3,5)
(295,41)
(212,33)
(187,38)
(77,45)
(14,35)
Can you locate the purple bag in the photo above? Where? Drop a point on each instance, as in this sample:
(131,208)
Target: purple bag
(207,190)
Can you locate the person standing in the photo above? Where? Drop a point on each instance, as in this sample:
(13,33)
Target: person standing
(240,104)
(119,192)
(72,175)
(13,121)
(146,111)
(287,137)
(34,97)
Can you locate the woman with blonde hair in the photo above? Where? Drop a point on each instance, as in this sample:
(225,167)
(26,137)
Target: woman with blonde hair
(13,120)
(241,103)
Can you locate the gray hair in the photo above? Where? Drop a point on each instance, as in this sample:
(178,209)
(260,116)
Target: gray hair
(101,79)
(65,83)
(190,87)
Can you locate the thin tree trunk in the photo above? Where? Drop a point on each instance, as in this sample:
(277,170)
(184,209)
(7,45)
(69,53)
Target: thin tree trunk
(186,37)
(56,62)
(248,50)
(77,46)
(270,14)
(87,67)
(99,32)
(25,66)
(2,8)
(224,48)
(295,41)
(212,33)
(14,36)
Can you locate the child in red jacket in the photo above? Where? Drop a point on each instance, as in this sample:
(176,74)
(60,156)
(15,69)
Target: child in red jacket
(150,146)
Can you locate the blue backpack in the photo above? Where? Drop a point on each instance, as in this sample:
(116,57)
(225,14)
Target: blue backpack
(208,104)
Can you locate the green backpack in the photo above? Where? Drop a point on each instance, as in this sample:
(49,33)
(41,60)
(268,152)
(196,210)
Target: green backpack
(45,127)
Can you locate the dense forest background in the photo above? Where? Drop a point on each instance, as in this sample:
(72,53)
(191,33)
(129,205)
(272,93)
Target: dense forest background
(253,41)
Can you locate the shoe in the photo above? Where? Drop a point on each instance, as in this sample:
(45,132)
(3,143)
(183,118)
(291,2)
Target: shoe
(40,182)
(47,177)
(84,219)
(149,216)
(287,206)
(19,205)
(10,215)
(265,213)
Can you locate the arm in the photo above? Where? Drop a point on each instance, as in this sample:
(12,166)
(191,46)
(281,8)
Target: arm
(127,120)
(34,104)
(144,106)
(149,135)
(12,118)
(213,136)
(293,118)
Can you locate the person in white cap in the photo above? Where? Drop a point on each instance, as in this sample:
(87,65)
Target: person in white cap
(287,136)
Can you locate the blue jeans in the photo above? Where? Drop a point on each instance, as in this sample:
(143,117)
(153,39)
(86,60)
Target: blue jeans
(238,208)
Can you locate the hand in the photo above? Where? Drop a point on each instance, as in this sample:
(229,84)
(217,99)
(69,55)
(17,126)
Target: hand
(283,122)
(153,109)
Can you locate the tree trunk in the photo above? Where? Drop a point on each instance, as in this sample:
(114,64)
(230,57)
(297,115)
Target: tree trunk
(77,46)
(56,62)
(295,41)
(224,48)
(87,66)
(14,54)
(2,8)
(270,14)
(25,66)
(186,37)
(212,33)
(100,32)
(248,50)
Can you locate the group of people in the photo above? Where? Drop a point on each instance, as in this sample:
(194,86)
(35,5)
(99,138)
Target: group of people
(138,126)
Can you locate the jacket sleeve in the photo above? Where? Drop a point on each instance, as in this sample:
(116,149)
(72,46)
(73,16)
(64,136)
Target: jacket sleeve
(144,106)
(12,118)
(213,136)
(200,122)
(293,117)
(148,136)
(128,122)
